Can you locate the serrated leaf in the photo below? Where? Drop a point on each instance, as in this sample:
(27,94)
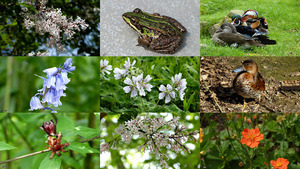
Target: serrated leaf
(53,163)
(4,146)
(82,148)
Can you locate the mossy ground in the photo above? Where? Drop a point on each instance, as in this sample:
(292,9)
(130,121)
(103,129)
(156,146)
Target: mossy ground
(282,16)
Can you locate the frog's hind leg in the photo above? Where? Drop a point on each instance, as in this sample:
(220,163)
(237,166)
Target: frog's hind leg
(166,45)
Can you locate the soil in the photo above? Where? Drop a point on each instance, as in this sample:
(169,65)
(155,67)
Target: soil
(281,74)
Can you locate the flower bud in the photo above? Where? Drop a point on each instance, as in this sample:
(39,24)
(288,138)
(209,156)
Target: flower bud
(49,128)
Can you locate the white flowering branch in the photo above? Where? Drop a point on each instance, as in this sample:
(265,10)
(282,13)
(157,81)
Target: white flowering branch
(53,22)
(157,132)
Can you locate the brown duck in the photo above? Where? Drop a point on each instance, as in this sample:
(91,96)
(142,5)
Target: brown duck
(227,35)
(248,83)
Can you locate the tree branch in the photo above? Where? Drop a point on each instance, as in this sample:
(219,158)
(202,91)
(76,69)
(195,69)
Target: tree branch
(40,152)
(24,156)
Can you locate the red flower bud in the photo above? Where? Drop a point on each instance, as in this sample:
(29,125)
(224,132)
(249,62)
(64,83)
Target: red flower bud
(49,128)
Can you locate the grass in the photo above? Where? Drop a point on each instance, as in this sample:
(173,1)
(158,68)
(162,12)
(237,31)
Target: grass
(282,16)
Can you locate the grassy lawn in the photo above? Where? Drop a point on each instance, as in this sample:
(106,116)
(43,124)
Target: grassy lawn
(283,18)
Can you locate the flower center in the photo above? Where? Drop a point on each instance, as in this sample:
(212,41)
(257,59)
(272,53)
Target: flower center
(251,136)
(278,164)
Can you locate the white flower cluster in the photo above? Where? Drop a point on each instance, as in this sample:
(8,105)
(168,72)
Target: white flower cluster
(157,132)
(138,84)
(52,21)
(127,68)
(168,92)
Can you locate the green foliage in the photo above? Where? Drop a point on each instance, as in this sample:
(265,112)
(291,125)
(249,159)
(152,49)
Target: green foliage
(113,99)
(17,87)
(82,148)
(53,163)
(221,146)
(283,27)
(16,40)
(4,146)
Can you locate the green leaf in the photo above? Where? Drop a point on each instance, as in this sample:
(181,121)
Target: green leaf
(4,146)
(64,123)
(85,132)
(29,7)
(53,163)
(271,126)
(82,148)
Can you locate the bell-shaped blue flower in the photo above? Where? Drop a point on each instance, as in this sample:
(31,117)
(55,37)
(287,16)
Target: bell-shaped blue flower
(35,103)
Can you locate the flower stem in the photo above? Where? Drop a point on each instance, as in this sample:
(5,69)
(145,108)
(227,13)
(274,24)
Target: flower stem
(142,103)
(156,104)
(40,152)
(24,156)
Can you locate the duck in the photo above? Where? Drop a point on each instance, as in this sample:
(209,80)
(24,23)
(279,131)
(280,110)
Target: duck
(249,14)
(248,83)
(228,35)
(255,28)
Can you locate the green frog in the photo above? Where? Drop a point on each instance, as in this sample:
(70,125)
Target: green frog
(158,33)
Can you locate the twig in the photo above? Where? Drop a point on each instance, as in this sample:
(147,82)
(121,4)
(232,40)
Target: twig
(24,156)
(213,96)
(40,152)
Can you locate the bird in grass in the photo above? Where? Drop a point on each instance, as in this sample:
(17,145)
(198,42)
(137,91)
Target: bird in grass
(254,28)
(249,14)
(227,35)
(248,83)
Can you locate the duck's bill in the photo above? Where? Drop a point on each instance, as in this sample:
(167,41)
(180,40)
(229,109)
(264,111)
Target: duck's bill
(238,70)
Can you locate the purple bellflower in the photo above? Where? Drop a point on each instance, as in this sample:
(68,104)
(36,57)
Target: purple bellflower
(53,87)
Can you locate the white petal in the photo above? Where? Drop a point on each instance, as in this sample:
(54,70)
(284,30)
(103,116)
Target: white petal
(133,93)
(140,77)
(127,89)
(148,87)
(147,78)
(101,63)
(168,99)
(172,94)
(181,95)
(133,62)
(109,67)
(128,81)
(173,80)
(142,92)
(169,87)
(161,96)
(105,62)
(162,88)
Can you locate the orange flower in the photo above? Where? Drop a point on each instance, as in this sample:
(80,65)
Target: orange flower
(280,163)
(201,135)
(251,137)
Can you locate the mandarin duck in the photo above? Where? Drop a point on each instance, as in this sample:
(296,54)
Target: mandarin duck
(227,35)
(249,14)
(248,83)
(256,28)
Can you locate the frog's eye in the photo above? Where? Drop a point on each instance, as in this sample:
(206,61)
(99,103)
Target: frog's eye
(137,10)
(134,20)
